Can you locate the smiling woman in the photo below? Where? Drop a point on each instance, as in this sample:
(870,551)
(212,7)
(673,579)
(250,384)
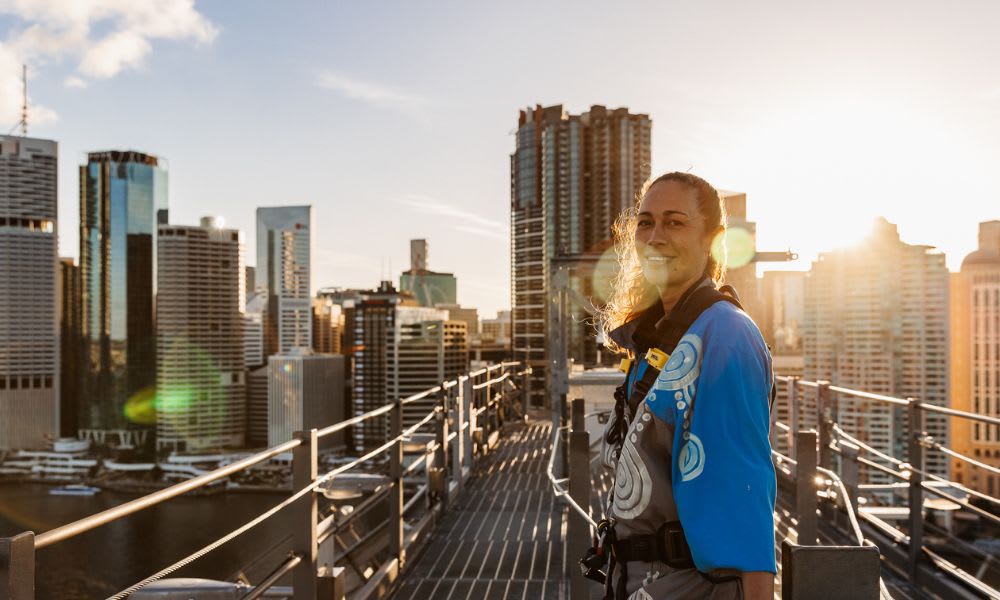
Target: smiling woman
(690,512)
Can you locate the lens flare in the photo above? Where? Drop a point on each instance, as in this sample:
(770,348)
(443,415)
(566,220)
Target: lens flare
(140,408)
(734,248)
(604,275)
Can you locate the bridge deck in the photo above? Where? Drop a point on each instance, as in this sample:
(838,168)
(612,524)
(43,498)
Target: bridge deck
(504,537)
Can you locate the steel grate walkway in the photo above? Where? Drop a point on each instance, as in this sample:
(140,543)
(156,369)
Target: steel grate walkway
(503,539)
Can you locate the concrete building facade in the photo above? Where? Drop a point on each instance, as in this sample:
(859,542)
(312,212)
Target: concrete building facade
(876,319)
(29,309)
(305,391)
(571,177)
(201,374)
(283,269)
(975,367)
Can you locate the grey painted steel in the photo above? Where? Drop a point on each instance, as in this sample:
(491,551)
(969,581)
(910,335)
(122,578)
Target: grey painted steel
(916,495)
(395,529)
(468,407)
(439,476)
(305,469)
(849,471)
(331,584)
(578,538)
(805,487)
(503,537)
(458,416)
(829,572)
(17,567)
(261,588)
(793,413)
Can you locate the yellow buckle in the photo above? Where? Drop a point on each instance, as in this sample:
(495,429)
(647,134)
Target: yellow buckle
(625,365)
(656,358)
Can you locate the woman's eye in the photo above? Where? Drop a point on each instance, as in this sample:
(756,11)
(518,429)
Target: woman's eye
(643,224)
(675,223)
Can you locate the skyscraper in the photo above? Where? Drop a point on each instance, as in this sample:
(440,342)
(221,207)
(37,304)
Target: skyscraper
(328,326)
(975,352)
(398,350)
(70,346)
(123,198)
(283,268)
(876,319)
(428,287)
(571,176)
(305,391)
(200,384)
(29,314)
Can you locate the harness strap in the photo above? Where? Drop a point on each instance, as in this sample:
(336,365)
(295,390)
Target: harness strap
(668,545)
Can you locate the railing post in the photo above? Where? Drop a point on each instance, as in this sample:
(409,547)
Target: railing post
(824,423)
(332,583)
(916,496)
(469,407)
(579,491)
(305,467)
(440,474)
(559,418)
(793,413)
(17,567)
(805,487)
(457,447)
(525,390)
(396,542)
(849,472)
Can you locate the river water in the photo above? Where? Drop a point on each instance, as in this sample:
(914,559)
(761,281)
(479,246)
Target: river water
(103,561)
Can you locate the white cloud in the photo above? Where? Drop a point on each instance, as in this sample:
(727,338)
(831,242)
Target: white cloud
(369,92)
(103,38)
(75,82)
(433,206)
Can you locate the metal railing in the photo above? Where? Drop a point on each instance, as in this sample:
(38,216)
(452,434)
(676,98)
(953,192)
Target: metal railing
(466,418)
(821,475)
(840,454)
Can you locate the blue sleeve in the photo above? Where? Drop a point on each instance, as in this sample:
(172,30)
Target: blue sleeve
(723,477)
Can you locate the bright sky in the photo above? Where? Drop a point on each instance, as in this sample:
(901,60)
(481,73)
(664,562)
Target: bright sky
(394,119)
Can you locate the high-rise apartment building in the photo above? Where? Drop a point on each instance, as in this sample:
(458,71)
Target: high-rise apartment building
(397,348)
(571,176)
(257,407)
(253,331)
(70,346)
(328,326)
(876,319)
(123,199)
(425,348)
(283,268)
(428,287)
(201,375)
(305,391)
(975,366)
(29,313)
(781,310)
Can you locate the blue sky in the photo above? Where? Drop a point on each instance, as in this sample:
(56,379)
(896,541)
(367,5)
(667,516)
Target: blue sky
(394,119)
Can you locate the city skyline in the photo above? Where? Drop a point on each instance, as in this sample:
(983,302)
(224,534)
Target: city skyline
(822,139)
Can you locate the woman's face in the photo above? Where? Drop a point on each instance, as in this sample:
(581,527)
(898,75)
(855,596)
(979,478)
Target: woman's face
(670,236)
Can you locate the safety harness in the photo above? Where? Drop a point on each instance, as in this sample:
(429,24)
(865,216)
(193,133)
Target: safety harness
(655,340)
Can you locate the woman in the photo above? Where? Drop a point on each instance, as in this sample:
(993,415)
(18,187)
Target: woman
(702,473)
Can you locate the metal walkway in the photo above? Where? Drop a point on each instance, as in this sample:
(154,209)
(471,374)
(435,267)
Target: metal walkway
(504,538)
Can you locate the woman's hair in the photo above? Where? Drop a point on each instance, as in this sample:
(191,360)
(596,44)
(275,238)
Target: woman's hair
(631,292)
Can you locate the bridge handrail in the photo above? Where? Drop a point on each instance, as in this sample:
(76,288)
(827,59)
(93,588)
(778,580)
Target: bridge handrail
(799,382)
(312,484)
(557,484)
(123,510)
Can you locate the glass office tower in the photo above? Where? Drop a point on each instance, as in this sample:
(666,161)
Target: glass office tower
(123,197)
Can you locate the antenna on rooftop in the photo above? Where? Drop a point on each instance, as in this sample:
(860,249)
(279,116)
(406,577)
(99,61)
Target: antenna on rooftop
(24,100)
